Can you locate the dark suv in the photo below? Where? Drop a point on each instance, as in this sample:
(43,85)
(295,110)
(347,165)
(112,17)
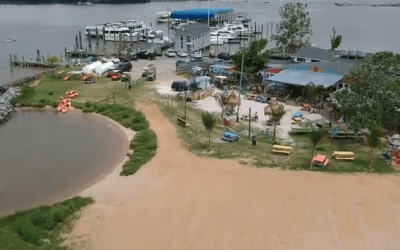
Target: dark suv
(142,54)
(123,67)
(180,86)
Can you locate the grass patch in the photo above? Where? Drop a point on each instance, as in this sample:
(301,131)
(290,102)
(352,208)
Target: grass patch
(144,143)
(39,228)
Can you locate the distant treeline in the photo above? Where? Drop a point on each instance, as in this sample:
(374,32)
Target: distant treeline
(71,1)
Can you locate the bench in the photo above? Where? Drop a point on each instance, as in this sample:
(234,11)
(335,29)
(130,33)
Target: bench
(343,155)
(182,122)
(282,149)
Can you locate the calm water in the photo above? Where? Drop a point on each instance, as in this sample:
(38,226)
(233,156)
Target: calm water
(50,28)
(46,157)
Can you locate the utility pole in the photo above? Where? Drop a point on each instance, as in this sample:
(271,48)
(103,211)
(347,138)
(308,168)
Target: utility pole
(185,105)
(249,121)
(240,88)
(168,21)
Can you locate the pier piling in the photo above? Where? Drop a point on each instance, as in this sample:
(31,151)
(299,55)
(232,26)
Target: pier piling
(76,42)
(97,37)
(90,40)
(80,40)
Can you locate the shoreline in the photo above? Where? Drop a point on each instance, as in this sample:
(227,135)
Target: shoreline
(78,188)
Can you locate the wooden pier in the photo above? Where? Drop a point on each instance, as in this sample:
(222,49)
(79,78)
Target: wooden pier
(32,64)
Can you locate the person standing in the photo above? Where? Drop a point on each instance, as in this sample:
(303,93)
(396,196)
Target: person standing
(254,141)
(256,116)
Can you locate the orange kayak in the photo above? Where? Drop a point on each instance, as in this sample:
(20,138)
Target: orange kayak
(72,94)
(65,108)
(62,104)
(67,77)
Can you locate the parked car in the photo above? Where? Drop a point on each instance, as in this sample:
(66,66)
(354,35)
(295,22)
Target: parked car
(224,55)
(123,67)
(158,52)
(170,53)
(182,54)
(180,86)
(263,99)
(151,56)
(230,137)
(196,59)
(142,54)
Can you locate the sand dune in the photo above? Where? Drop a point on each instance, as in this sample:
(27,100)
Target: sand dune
(180,201)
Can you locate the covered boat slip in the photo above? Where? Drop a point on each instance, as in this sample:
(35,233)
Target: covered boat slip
(215,14)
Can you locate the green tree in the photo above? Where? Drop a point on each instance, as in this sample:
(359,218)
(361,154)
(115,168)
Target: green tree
(336,40)
(371,98)
(294,30)
(222,99)
(374,141)
(316,136)
(255,57)
(209,122)
(53,60)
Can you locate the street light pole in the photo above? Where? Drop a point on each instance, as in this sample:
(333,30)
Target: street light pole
(208,19)
(240,88)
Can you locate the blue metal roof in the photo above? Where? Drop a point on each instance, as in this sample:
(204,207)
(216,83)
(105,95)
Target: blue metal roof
(200,13)
(305,77)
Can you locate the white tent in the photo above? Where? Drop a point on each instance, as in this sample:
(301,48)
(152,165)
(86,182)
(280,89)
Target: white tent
(103,68)
(91,67)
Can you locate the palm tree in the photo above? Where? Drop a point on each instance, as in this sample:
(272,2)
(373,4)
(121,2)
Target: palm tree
(209,123)
(222,99)
(315,137)
(276,116)
(373,141)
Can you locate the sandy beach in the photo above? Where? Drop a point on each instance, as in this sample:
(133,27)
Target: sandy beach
(181,201)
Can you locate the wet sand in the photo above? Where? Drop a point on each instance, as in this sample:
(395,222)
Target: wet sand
(43,176)
(181,201)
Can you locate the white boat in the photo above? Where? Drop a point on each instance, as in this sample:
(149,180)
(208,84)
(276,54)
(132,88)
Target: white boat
(164,17)
(9,40)
(92,30)
(114,34)
(266,1)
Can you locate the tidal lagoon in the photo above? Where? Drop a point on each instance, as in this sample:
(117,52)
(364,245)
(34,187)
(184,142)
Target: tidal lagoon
(47,157)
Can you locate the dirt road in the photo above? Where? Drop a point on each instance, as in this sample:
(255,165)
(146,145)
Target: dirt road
(180,201)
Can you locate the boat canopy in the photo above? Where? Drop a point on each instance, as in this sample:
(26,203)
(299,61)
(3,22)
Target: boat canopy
(91,67)
(200,13)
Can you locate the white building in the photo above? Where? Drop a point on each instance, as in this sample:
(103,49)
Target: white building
(192,37)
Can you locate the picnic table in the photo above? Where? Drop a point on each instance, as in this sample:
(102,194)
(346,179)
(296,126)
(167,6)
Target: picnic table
(182,122)
(320,161)
(251,96)
(282,149)
(305,106)
(296,120)
(343,155)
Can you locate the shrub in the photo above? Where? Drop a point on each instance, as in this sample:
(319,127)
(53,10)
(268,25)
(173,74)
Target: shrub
(51,92)
(37,224)
(43,101)
(88,104)
(54,104)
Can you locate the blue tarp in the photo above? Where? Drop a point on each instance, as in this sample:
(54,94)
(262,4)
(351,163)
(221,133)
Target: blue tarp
(297,114)
(201,13)
(305,77)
